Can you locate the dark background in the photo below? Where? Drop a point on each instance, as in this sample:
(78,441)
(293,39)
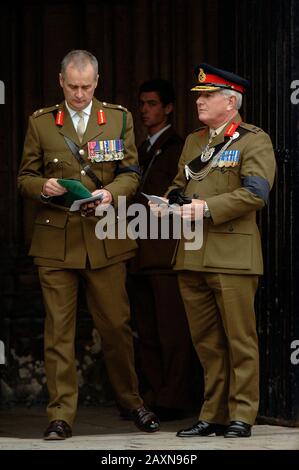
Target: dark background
(135,41)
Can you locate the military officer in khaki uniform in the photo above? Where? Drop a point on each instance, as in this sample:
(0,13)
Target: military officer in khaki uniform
(64,244)
(227,166)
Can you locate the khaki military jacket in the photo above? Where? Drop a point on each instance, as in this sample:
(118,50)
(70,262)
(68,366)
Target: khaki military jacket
(62,238)
(231,239)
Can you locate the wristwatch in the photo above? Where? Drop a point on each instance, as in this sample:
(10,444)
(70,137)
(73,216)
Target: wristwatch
(206,212)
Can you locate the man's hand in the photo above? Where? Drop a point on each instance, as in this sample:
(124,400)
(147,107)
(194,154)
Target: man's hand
(52,188)
(194,210)
(89,208)
(159,210)
(107,196)
(191,211)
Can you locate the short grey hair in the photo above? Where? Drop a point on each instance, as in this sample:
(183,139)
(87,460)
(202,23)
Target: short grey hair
(80,59)
(238,96)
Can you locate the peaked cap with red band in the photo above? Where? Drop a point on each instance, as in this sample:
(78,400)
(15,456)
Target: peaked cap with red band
(212,79)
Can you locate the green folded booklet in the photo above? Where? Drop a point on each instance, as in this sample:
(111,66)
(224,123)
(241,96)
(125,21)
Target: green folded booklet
(77,194)
(75,190)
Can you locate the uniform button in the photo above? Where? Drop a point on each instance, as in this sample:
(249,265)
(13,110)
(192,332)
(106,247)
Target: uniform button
(47,221)
(230,228)
(83,173)
(82,152)
(55,160)
(104,103)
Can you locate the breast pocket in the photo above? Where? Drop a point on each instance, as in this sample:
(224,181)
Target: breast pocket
(105,171)
(226,179)
(233,178)
(58,166)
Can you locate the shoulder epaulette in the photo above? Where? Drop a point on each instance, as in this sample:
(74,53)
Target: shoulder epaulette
(114,106)
(42,111)
(201,128)
(251,127)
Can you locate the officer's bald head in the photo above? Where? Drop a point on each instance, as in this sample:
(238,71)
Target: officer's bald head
(79,60)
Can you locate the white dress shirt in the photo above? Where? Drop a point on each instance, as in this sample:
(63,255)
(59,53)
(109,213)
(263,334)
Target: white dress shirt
(75,116)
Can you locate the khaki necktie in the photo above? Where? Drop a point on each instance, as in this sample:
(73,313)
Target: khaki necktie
(80,126)
(213,134)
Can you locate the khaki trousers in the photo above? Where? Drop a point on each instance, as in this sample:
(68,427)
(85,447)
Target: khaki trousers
(220,311)
(108,303)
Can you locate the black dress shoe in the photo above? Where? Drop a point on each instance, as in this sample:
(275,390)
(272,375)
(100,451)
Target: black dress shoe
(57,430)
(202,428)
(238,429)
(145,420)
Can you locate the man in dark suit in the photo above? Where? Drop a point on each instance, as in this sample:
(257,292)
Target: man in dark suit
(226,169)
(166,351)
(60,143)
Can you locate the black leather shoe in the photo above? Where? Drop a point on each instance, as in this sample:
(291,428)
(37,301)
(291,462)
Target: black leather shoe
(57,430)
(238,429)
(202,428)
(145,420)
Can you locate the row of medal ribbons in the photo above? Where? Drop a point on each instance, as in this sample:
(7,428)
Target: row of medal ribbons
(228,158)
(106,150)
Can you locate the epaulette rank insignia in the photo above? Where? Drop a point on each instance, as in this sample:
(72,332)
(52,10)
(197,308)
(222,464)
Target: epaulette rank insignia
(114,106)
(41,111)
(200,129)
(37,112)
(251,127)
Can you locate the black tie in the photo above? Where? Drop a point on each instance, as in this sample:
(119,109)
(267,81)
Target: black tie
(148,145)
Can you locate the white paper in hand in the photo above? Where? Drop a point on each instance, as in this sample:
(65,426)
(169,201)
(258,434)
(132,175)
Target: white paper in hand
(76,204)
(156,199)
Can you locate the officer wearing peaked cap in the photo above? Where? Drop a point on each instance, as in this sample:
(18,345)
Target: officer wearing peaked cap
(65,246)
(213,79)
(228,167)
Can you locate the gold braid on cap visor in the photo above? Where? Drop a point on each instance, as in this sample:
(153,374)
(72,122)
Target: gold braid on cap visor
(206,88)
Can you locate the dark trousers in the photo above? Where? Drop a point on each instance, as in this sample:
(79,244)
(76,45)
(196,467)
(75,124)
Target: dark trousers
(169,369)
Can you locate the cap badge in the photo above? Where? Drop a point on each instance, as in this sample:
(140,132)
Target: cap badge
(201,76)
